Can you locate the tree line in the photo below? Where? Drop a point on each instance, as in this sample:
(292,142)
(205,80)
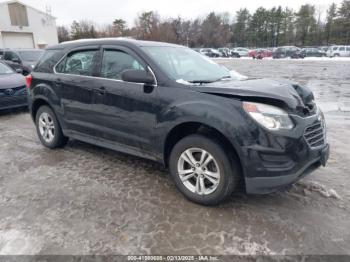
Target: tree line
(307,26)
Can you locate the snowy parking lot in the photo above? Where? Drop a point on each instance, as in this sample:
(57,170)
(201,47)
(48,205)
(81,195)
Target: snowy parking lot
(83,199)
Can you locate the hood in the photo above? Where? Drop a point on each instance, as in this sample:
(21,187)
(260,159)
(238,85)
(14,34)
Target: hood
(11,81)
(280,92)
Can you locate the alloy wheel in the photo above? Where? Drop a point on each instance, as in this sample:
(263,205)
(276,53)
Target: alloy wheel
(198,171)
(46,127)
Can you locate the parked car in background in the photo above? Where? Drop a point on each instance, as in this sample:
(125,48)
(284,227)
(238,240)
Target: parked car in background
(241,51)
(225,52)
(1,53)
(312,52)
(339,51)
(23,59)
(13,92)
(170,104)
(234,53)
(287,51)
(324,48)
(260,53)
(210,52)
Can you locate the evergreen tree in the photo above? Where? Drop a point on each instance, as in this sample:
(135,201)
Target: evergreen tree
(305,24)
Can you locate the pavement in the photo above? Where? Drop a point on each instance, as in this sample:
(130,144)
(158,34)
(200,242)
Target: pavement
(83,199)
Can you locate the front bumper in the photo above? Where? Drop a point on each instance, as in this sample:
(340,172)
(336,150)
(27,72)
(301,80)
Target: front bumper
(13,102)
(278,159)
(265,185)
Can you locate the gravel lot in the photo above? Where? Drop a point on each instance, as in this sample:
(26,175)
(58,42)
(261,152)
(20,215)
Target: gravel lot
(86,200)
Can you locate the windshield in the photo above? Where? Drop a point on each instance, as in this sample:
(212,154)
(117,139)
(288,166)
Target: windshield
(184,64)
(5,70)
(30,55)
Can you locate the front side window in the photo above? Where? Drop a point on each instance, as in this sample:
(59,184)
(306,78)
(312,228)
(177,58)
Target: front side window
(341,48)
(348,48)
(78,63)
(115,62)
(181,63)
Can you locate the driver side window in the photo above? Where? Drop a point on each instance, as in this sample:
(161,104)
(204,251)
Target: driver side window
(115,62)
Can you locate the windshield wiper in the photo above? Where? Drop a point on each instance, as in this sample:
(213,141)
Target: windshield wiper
(201,81)
(208,81)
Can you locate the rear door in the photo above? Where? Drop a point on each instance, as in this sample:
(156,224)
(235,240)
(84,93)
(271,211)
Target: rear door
(124,112)
(348,51)
(74,83)
(342,51)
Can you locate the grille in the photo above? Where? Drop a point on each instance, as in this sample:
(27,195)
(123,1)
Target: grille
(15,89)
(315,135)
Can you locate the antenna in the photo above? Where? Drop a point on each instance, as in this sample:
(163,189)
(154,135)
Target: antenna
(48,15)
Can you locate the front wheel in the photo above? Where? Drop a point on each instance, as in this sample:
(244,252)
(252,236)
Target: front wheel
(49,129)
(202,170)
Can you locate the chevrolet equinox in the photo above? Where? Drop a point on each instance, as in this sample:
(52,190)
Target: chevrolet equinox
(168,103)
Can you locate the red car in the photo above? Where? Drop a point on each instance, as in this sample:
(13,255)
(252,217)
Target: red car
(260,53)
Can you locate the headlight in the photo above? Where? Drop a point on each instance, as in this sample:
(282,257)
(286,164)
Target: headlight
(271,117)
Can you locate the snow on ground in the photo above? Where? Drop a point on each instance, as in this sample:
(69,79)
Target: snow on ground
(333,59)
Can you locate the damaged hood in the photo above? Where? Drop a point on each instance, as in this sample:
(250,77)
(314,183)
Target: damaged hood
(278,91)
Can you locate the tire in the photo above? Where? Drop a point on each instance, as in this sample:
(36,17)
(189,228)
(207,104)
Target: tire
(227,168)
(53,138)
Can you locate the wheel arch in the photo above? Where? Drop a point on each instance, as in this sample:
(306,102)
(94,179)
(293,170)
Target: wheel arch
(188,128)
(37,103)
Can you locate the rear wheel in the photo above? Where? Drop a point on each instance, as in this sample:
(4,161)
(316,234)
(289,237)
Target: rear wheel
(202,170)
(49,129)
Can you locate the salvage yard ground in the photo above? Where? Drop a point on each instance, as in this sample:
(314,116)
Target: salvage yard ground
(86,200)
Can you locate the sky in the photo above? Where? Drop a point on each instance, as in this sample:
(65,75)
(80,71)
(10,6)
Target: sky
(105,11)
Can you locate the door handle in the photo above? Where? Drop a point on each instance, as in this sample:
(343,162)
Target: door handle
(101,90)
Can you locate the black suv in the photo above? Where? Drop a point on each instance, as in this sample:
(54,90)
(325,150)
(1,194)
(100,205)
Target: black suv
(170,104)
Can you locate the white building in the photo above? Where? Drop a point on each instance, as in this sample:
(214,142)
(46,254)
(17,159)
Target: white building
(22,26)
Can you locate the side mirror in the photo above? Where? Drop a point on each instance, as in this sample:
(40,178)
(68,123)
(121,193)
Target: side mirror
(138,76)
(19,71)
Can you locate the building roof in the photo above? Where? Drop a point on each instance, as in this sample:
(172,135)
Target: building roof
(19,2)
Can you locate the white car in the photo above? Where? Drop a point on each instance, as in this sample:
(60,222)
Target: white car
(338,51)
(241,51)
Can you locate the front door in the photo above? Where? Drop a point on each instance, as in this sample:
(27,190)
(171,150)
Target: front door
(124,112)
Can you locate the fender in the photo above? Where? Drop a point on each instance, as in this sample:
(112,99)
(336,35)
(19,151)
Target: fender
(46,93)
(224,116)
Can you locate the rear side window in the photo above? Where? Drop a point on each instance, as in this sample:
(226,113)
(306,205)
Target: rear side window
(348,48)
(48,60)
(115,62)
(78,63)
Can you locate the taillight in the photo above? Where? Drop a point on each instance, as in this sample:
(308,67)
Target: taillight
(29,79)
